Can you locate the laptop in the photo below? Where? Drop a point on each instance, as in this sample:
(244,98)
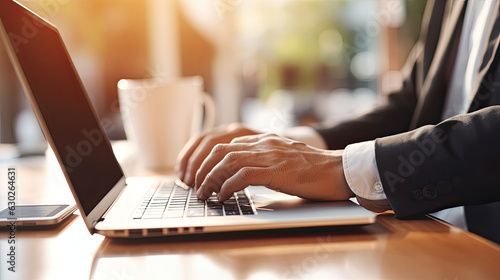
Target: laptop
(111,204)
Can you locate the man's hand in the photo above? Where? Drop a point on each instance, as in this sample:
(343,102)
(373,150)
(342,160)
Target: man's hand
(276,162)
(198,148)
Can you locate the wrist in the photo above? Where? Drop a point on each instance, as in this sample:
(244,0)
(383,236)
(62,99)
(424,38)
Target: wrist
(340,188)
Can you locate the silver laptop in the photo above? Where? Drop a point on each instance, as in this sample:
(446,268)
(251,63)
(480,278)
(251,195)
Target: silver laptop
(109,203)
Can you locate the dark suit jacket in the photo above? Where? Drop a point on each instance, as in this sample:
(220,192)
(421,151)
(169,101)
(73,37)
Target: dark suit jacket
(425,164)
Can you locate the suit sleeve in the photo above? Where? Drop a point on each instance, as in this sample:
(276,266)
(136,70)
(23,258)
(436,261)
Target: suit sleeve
(456,162)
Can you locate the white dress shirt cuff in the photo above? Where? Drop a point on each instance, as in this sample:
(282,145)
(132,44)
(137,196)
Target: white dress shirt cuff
(360,170)
(307,135)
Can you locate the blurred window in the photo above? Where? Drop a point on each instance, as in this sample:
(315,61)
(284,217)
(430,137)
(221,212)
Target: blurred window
(269,63)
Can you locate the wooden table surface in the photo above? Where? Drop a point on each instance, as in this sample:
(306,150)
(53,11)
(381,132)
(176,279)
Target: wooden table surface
(389,249)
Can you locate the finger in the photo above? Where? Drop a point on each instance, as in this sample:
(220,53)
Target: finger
(222,135)
(217,154)
(225,169)
(185,154)
(243,178)
(197,157)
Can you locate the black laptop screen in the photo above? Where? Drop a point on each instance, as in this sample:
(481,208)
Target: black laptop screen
(71,123)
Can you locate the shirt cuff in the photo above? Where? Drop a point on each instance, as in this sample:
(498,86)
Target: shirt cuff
(360,170)
(306,135)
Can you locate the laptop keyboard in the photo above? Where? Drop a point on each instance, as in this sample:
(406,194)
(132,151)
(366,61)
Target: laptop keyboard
(169,200)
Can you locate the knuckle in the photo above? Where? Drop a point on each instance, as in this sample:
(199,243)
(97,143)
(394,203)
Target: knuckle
(297,144)
(215,178)
(209,177)
(232,157)
(245,174)
(231,161)
(270,134)
(272,140)
(218,149)
(237,139)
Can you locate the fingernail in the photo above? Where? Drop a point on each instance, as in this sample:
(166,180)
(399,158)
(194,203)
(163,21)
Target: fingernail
(199,194)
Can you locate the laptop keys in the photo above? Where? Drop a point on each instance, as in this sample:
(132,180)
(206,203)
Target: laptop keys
(231,207)
(139,212)
(138,215)
(215,212)
(168,200)
(195,212)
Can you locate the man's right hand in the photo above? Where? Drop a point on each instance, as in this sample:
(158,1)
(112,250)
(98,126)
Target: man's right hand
(199,147)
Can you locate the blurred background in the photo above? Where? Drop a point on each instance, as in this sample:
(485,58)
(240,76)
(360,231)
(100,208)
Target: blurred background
(271,64)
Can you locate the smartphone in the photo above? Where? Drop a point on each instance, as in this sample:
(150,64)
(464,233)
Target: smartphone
(36,215)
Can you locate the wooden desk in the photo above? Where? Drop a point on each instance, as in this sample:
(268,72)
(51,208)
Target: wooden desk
(388,249)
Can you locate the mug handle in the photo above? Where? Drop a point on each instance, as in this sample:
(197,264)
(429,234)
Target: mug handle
(209,120)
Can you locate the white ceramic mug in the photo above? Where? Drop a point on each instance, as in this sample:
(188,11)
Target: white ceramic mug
(160,115)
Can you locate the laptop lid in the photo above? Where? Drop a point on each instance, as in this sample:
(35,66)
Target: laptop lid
(63,109)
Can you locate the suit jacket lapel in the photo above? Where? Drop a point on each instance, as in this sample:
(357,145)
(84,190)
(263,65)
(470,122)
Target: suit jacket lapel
(431,98)
(484,82)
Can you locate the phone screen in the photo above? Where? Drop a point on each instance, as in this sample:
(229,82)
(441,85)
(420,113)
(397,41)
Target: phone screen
(33,211)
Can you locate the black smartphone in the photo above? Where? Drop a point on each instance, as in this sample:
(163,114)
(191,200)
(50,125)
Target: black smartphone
(36,215)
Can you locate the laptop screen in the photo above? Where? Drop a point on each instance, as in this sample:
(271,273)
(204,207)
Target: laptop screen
(71,122)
